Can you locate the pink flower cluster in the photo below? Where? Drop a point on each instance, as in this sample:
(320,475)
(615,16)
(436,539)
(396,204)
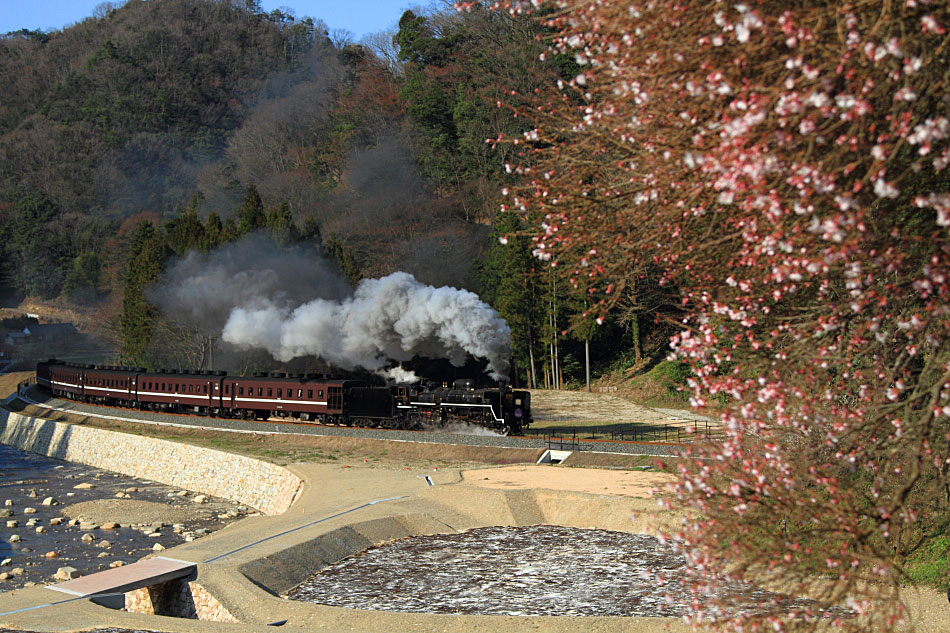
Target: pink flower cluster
(784,170)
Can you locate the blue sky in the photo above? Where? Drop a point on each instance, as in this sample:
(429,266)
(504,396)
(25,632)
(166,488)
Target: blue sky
(359,16)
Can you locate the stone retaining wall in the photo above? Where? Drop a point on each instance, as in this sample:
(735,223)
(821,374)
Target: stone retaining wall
(178,599)
(266,487)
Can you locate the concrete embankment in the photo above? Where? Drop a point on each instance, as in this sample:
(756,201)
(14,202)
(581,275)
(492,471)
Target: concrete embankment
(266,487)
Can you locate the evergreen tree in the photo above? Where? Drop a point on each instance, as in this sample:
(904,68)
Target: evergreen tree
(311,231)
(345,258)
(83,277)
(211,237)
(146,263)
(510,286)
(186,232)
(281,223)
(251,214)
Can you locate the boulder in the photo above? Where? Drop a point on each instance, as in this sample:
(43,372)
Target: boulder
(67,573)
(84,486)
(29,510)
(50,501)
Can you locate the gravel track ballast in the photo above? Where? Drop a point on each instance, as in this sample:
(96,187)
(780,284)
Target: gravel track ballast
(286,428)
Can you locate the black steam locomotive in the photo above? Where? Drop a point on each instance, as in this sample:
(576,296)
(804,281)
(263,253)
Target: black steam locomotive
(299,397)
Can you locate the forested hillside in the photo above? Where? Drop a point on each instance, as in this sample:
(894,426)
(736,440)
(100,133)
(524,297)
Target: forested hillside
(150,129)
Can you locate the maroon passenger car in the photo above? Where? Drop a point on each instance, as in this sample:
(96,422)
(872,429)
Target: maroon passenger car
(196,391)
(107,384)
(60,378)
(303,398)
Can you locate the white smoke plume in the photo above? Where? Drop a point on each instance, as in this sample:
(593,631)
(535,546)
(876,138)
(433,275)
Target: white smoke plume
(386,320)
(399,375)
(462,428)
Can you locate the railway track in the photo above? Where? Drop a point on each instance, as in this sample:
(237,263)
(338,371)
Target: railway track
(478,436)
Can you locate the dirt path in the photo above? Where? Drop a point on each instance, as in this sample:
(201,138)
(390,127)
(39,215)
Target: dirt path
(575,407)
(601,482)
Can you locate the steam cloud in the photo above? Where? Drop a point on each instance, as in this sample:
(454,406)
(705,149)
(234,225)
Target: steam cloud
(388,319)
(398,374)
(293,302)
(202,290)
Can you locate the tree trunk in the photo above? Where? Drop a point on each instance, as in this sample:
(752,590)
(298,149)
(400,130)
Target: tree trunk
(635,334)
(534,375)
(587,363)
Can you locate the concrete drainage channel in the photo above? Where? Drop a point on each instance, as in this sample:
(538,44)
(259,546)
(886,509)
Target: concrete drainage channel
(240,574)
(554,457)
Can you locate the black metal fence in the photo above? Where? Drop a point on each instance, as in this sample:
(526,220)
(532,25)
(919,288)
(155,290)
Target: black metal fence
(564,439)
(562,442)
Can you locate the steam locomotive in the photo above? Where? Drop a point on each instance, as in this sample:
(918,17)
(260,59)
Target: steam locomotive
(299,397)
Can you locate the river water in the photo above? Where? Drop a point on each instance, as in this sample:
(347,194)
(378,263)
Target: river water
(27,479)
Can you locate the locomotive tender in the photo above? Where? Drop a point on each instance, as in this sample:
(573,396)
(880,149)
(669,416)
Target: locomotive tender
(306,398)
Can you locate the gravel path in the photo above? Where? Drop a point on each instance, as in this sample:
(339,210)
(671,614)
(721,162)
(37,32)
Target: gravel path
(434,437)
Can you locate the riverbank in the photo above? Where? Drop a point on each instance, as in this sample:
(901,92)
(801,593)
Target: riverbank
(56,514)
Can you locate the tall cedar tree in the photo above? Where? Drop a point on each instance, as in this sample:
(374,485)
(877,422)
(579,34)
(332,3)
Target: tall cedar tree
(146,262)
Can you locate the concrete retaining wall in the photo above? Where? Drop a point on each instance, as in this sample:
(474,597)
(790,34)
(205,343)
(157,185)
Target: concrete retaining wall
(266,487)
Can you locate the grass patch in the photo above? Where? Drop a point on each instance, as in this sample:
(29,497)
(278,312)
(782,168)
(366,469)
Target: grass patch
(930,565)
